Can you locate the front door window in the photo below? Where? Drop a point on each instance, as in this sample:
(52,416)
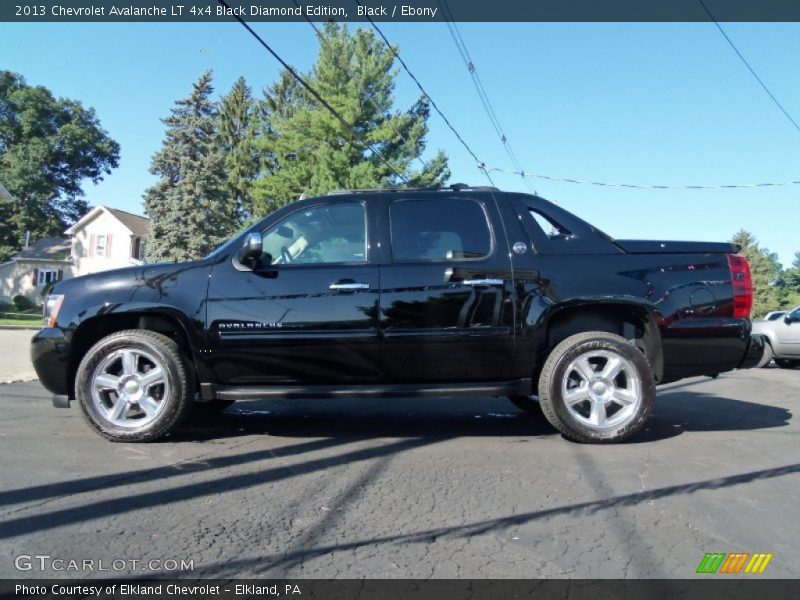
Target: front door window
(328,234)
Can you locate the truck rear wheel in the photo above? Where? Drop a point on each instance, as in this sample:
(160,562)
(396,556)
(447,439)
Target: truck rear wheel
(134,386)
(596,387)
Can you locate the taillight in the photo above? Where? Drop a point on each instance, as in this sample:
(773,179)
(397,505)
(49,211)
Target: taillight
(742,286)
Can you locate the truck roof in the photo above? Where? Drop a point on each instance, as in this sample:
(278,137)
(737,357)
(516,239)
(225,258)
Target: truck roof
(456,187)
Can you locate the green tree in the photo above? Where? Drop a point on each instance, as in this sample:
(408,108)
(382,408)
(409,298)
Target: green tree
(791,284)
(765,270)
(305,149)
(238,127)
(189,209)
(48,147)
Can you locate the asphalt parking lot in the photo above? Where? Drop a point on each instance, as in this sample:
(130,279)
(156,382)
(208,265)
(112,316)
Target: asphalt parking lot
(410,488)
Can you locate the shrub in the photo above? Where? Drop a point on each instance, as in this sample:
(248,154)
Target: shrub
(22,303)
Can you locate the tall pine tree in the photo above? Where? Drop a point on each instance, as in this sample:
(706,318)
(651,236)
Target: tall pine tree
(238,127)
(189,209)
(305,148)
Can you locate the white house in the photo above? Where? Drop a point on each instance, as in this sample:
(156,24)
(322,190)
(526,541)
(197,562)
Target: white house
(27,273)
(107,238)
(104,238)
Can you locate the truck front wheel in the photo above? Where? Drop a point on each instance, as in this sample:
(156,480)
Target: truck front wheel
(134,386)
(596,387)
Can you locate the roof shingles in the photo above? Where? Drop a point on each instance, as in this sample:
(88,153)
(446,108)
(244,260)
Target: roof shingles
(49,248)
(137,224)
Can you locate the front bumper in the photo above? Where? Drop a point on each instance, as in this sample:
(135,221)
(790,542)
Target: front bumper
(754,353)
(50,358)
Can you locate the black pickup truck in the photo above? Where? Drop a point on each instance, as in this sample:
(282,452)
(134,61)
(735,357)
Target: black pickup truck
(402,293)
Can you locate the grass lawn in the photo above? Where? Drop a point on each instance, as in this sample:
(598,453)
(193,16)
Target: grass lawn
(27,320)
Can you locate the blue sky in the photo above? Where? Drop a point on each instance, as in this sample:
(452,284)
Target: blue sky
(633,103)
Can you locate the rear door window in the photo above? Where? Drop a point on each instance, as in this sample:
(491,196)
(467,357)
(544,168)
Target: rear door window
(439,230)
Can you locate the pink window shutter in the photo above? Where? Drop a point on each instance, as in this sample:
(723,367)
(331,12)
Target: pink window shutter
(91,245)
(108,245)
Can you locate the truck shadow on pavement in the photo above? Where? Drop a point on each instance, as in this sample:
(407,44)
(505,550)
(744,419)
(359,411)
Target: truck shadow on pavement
(679,411)
(367,419)
(676,411)
(354,431)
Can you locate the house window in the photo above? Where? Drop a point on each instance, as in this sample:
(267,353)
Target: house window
(100,246)
(137,248)
(46,276)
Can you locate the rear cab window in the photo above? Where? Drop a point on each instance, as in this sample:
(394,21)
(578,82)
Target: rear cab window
(553,230)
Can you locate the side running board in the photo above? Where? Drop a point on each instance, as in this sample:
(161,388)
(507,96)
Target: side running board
(210,391)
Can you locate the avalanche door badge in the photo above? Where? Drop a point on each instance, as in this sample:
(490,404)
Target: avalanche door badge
(520,248)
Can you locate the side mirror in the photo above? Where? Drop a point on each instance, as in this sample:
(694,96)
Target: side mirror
(252,249)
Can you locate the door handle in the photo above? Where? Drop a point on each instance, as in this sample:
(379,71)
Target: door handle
(483,282)
(348,287)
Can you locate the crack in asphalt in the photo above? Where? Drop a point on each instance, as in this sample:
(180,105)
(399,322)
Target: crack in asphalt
(586,509)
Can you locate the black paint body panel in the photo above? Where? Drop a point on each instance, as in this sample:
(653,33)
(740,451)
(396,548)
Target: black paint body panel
(414,323)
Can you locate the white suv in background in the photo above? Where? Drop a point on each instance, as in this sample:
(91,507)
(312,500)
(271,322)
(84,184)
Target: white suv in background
(783,337)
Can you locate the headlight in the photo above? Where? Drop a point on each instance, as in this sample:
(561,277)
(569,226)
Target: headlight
(52,304)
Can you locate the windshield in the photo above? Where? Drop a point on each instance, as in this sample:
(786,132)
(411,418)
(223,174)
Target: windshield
(225,245)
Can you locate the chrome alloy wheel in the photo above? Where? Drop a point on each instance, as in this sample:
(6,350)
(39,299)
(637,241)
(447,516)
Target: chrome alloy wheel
(130,388)
(601,390)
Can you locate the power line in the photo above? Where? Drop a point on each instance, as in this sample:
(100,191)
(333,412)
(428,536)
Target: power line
(461,45)
(749,68)
(634,186)
(321,38)
(310,89)
(478,162)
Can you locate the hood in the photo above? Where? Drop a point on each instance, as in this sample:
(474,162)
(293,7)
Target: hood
(103,281)
(120,284)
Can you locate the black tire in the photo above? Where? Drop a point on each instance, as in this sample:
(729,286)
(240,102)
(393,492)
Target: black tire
(786,363)
(177,389)
(767,356)
(636,380)
(528,404)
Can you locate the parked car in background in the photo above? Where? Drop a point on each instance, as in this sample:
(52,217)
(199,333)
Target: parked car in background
(774,315)
(783,339)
